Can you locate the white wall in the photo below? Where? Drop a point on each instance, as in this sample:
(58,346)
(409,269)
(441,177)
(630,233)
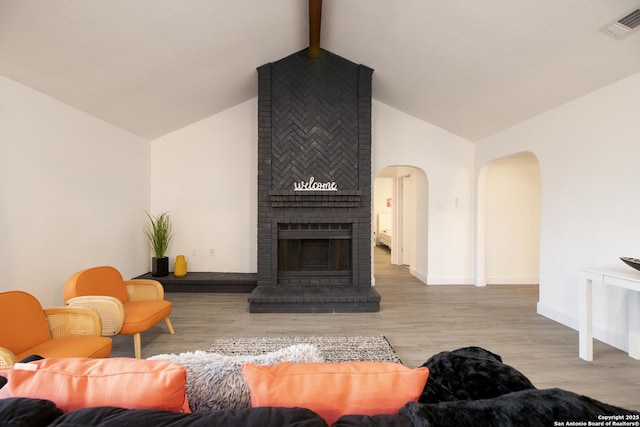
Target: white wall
(447,161)
(205,175)
(73,191)
(588,152)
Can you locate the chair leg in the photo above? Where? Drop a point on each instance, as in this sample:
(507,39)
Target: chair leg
(169,325)
(137,345)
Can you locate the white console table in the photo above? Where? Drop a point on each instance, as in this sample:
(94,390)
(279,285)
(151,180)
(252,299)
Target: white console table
(626,278)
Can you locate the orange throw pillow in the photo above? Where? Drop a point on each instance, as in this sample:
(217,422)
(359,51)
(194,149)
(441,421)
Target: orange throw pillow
(336,389)
(74,383)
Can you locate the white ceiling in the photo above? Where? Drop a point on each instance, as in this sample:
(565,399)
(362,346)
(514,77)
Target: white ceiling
(472,67)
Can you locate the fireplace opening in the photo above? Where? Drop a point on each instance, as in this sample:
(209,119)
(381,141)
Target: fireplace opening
(314,254)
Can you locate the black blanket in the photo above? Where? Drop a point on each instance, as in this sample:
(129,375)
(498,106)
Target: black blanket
(473,387)
(470,373)
(527,408)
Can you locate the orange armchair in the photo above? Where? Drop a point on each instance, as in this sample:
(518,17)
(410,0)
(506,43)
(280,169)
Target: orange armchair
(126,307)
(28,329)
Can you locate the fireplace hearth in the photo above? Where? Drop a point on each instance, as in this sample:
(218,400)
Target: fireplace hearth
(314,186)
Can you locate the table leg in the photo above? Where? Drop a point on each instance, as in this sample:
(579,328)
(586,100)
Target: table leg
(585,318)
(633,298)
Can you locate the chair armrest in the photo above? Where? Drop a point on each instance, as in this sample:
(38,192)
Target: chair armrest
(72,322)
(144,289)
(7,358)
(110,310)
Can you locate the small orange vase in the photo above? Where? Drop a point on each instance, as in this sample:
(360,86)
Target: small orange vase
(180,266)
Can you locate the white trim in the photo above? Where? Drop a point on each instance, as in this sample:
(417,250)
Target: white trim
(449,280)
(615,340)
(418,275)
(512,280)
(557,316)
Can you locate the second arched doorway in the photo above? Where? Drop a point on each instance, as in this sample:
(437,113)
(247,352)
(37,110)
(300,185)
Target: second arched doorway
(508,221)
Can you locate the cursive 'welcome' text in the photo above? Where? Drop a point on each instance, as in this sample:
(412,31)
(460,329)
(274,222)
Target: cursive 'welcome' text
(312,185)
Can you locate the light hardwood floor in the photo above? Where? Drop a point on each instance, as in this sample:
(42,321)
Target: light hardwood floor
(418,321)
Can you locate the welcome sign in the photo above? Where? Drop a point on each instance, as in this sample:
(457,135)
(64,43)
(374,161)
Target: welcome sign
(312,185)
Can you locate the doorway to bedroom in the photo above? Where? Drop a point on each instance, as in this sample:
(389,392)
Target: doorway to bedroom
(400,218)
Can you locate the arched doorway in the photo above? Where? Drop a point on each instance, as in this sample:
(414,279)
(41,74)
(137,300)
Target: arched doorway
(400,216)
(508,221)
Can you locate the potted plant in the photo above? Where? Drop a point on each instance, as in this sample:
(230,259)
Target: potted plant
(158,231)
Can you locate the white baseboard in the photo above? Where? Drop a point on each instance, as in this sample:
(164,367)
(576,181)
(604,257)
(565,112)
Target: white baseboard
(618,341)
(449,280)
(512,280)
(562,318)
(443,280)
(418,275)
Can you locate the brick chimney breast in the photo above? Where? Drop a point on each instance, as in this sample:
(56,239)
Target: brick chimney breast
(314,186)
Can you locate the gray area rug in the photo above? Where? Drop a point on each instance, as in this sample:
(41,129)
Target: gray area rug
(333,349)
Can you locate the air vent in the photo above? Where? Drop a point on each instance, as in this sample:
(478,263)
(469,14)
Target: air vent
(624,26)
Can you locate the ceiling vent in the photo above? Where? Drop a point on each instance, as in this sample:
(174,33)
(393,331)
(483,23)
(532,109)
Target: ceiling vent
(624,26)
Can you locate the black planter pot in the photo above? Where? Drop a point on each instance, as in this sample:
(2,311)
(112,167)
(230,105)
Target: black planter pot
(160,266)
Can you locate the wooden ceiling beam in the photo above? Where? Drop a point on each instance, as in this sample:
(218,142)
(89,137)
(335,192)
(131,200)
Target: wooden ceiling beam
(315,16)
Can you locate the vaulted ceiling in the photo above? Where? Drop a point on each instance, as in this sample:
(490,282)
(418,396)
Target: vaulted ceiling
(472,67)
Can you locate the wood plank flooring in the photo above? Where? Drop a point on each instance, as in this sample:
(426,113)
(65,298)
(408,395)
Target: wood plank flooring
(418,321)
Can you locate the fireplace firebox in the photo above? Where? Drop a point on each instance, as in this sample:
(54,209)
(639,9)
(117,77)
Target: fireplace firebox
(314,254)
(314,186)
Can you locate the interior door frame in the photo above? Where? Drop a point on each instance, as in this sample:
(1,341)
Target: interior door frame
(402,243)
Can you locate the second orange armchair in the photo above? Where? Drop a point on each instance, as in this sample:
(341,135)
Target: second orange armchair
(125,306)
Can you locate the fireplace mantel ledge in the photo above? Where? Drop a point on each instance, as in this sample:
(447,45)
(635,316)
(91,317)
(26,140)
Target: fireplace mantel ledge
(315,193)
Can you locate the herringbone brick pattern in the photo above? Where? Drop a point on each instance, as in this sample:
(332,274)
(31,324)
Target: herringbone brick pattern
(315,121)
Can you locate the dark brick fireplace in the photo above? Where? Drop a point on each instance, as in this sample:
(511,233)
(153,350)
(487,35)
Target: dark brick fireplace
(314,186)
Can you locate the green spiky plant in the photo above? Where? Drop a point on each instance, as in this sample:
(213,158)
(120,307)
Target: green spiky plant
(158,231)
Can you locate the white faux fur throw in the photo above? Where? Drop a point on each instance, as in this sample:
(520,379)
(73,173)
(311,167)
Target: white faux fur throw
(215,381)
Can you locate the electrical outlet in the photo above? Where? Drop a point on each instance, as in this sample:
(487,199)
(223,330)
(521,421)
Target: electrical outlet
(212,252)
(194,252)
